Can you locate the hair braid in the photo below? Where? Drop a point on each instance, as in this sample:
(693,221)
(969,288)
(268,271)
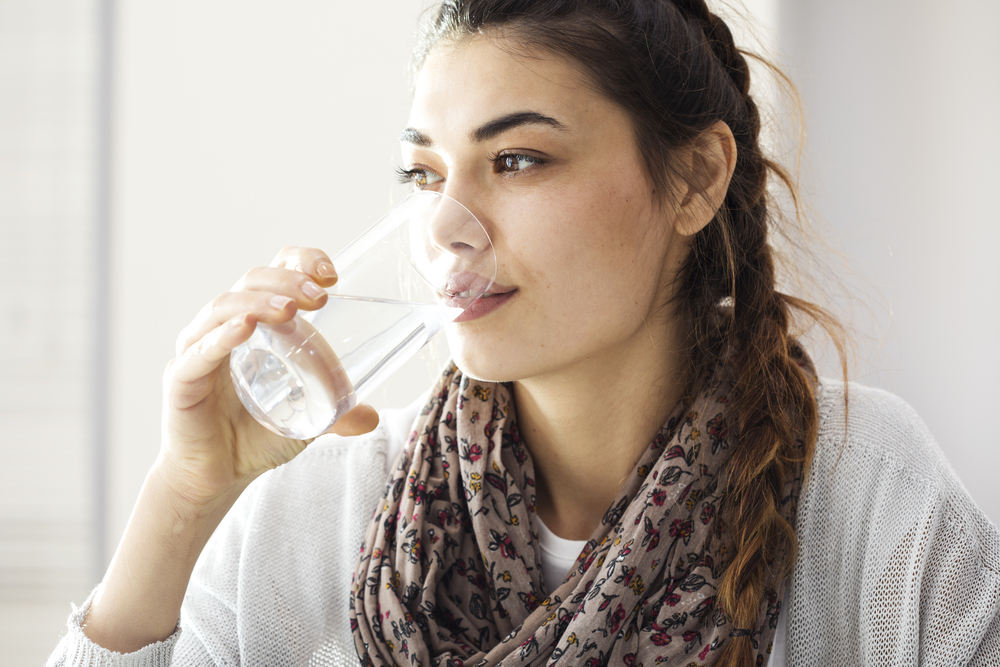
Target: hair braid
(774,399)
(674,67)
(721,41)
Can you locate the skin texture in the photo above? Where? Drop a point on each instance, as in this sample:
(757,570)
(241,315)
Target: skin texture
(589,335)
(578,236)
(586,249)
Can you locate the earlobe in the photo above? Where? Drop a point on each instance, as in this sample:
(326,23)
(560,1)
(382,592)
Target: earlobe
(710,164)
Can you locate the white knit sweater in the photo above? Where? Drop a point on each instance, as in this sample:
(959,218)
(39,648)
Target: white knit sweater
(897,566)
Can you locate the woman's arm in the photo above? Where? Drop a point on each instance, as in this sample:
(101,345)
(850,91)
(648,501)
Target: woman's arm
(139,601)
(211,449)
(76,648)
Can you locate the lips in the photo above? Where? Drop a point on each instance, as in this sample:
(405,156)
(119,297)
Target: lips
(462,289)
(465,284)
(485,305)
(474,294)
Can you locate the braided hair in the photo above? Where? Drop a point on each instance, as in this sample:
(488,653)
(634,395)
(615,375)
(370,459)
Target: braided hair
(674,67)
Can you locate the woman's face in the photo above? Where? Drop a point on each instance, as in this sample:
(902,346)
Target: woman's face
(585,255)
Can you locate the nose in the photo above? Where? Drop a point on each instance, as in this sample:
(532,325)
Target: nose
(454,229)
(456,249)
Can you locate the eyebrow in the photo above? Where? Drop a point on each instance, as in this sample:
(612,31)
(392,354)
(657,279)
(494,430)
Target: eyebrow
(498,126)
(491,129)
(411,136)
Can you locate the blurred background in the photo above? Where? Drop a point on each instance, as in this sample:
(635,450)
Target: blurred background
(151,152)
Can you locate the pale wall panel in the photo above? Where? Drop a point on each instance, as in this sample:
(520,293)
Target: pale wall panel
(902,99)
(49,87)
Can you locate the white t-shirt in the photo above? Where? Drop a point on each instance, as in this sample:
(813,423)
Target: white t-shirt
(558,555)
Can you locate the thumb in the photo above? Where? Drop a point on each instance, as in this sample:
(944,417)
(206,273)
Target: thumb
(362,419)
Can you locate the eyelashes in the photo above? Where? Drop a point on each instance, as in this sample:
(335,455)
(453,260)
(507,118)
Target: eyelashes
(513,162)
(406,176)
(421,178)
(507,164)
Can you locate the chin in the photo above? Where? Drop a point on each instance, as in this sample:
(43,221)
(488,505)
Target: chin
(474,368)
(478,361)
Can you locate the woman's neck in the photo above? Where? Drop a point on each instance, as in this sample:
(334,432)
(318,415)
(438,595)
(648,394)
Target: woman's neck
(587,426)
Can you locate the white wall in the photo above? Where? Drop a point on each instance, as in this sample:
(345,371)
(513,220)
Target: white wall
(903,98)
(243,127)
(240,127)
(51,76)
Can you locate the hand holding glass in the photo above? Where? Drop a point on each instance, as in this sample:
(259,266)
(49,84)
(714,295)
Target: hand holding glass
(417,269)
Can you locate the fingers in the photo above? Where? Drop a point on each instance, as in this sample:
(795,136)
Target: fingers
(308,294)
(311,261)
(188,379)
(265,307)
(297,275)
(270,295)
(362,419)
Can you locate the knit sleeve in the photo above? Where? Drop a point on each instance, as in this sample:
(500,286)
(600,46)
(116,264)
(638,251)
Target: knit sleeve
(207,613)
(988,652)
(896,563)
(936,599)
(273,583)
(960,587)
(75,649)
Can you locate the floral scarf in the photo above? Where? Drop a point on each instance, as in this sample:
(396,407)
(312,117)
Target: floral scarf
(450,571)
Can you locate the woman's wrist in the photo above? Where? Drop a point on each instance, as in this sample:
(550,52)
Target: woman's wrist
(192,496)
(139,600)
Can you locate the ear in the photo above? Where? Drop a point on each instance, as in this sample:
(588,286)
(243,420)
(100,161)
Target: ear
(710,164)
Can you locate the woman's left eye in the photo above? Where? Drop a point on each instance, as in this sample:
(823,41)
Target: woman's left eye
(514,162)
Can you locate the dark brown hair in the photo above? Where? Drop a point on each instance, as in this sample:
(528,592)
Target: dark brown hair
(674,67)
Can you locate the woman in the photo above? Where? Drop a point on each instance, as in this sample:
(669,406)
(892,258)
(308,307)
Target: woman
(615,469)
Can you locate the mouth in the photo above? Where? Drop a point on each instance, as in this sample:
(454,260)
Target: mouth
(468,294)
(468,285)
(485,305)
(463,289)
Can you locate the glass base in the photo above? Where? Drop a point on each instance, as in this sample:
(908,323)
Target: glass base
(290,380)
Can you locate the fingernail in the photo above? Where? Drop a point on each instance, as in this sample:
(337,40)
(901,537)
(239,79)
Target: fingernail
(326,270)
(279,302)
(238,321)
(312,290)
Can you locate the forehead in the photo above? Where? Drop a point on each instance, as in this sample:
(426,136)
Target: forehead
(462,83)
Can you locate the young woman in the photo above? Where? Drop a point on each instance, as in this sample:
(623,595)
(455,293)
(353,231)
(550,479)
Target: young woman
(630,462)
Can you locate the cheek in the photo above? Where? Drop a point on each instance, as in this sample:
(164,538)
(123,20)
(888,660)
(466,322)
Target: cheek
(592,222)
(591,239)
(593,286)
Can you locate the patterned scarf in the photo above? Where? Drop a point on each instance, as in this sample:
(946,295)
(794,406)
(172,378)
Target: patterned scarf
(450,571)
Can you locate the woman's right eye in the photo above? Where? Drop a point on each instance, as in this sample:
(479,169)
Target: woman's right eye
(421,178)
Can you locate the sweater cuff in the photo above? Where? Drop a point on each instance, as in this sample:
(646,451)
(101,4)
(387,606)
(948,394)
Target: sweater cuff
(80,651)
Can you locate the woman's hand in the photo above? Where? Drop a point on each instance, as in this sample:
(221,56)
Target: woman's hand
(211,449)
(210,443)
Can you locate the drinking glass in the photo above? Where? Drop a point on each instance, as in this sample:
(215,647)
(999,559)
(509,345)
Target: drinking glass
(417,269)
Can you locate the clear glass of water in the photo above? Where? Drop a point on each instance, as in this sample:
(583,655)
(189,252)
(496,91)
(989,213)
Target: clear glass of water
(417,269)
